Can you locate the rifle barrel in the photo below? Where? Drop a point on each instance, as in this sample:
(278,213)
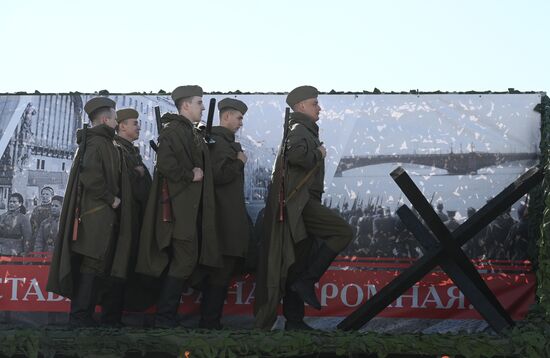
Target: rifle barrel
(210,118)
(157,117)
(282,199)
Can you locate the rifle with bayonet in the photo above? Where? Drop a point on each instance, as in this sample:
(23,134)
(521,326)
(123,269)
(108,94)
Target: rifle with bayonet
(209,120)
(81,152)
(282,199)
(164,193)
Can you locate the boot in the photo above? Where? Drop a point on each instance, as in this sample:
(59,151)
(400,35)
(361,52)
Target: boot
(293,310)
(304,286)
(168,302)
(83,302)
(212,303)
(112,304)
(205,293)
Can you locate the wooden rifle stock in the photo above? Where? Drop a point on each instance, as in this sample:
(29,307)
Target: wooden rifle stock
(76,222)
(282,201)
(81,152)
(164,193)
(304,181)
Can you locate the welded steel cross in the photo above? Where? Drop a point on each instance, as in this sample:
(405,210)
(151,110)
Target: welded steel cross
(443,248)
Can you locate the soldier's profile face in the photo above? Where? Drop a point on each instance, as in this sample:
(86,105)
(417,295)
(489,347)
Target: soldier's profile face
(233,121)
(310,107)
(130,127)
(194,109)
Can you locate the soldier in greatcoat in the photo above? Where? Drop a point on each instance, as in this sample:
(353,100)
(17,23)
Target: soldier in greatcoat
(173,246)
(228,161)
(285,269)
(97,255)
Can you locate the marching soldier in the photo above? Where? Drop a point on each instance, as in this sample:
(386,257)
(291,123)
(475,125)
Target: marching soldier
(286,246)
(177,241)
(128,130)
(228,160)
(495,236)
(114,291)
(98,204)
(451,223)
(517,245)
(444,217)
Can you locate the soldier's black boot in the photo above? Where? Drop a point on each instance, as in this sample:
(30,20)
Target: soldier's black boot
(83,302)
(205,292)
(293,310)
(168,302)
(112,304)
(304,286)
(212,303)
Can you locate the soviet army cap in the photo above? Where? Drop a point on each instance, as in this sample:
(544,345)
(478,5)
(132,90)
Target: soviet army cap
(186,91)
(98,102)
(126,113)
(233,104)
(300,94)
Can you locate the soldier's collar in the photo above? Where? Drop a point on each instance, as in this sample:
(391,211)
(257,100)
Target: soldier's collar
(103,130)
(305,120)
(185,120)
(175,118)
(224,133)
(123,141)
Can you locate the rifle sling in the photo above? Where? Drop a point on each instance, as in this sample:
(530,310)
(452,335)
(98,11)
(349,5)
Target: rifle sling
(93,210)
(303,182)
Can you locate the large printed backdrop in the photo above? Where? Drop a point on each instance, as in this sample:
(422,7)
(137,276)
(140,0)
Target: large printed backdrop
(460,149)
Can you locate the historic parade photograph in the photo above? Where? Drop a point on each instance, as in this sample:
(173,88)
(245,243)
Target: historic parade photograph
(249,179)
